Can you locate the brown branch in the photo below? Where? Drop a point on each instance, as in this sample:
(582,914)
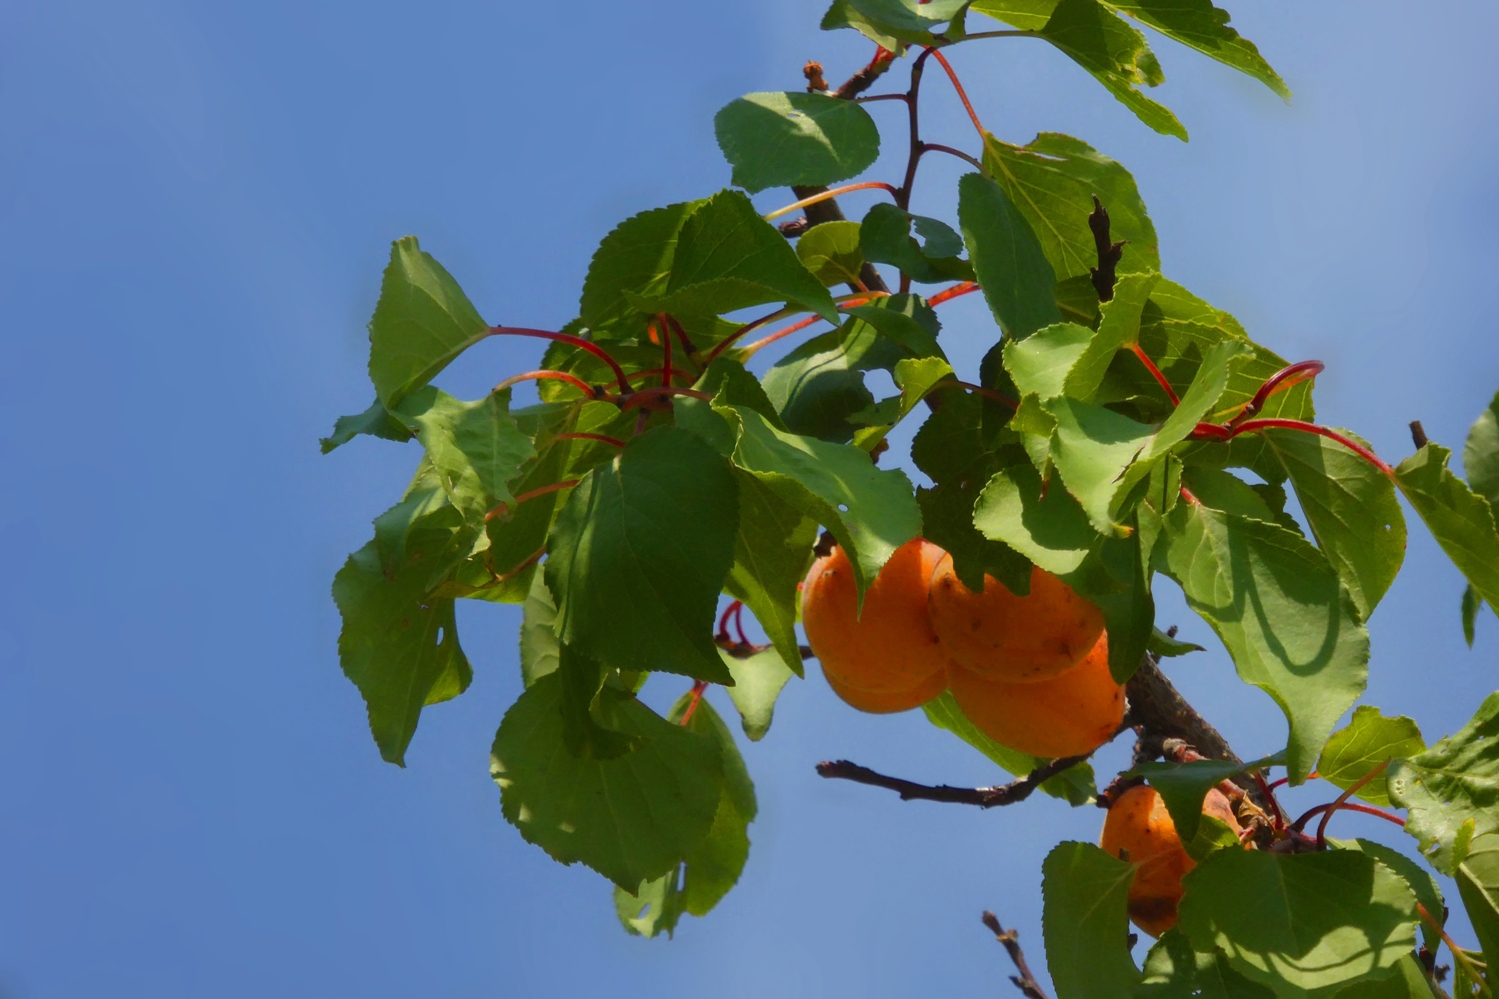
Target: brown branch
(1418,435)
(1160,712)
(864,78)
(983,797)
(1025,981)
(1108,253)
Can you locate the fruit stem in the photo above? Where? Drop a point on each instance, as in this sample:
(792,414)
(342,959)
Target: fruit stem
(581,436)
(825,195)
(561,376)
(962,94)
(1155,373)
(568,338)
(503,509)
(697,696)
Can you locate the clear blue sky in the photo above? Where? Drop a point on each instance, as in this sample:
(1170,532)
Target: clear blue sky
(196,201)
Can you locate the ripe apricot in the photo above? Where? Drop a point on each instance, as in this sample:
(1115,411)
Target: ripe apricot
(1015,639)
(1070,714)
(889,652)
(884,704)
(1139,824)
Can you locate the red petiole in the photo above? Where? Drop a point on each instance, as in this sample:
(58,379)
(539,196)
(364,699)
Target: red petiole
(504,509)
(1155,373)
(561,376)
(568,338)
(581,436)
(697,696)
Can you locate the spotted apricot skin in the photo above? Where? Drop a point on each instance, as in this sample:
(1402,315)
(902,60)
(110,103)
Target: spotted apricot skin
(888,655)
(1070,714)
(1140,829)
(1001,636)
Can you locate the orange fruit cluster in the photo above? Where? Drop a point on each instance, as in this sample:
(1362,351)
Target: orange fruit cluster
(1031,672)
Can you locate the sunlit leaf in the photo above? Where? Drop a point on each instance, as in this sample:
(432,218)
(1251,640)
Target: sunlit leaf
(1368,740)
(1075,785)
(1007,258)
(1452,783)
(1461,520)
(781,139)
(831,251)
(758,680)
(1084,893)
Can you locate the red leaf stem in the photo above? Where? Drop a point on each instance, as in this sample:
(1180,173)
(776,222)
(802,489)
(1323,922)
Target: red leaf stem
(504,508)
(835,192)
(543,375)
(568,338)
(723,620)
(785,331)
(948,294)
(697,696)
(581,436)
(1291,374)
(962,94)
(1210,431)
(1342,801)
(1155,373)
(661,324)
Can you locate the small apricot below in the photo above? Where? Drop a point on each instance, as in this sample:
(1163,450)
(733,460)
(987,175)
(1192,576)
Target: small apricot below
(1139,825)
(884,704)
(1068,715)
(1015,639)
(889,654)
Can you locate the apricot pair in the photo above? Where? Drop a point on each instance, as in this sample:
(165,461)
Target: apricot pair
(1139,829)
(1030,672)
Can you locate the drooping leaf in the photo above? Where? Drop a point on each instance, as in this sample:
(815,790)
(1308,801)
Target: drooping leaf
(1481,454)
(1279,609)
(831,251)
(713,866)
(1115,54)
(422,321)
(885,238)
(655,907)
(1199,25)
(1173,970)
(399,646)
(539,649)
(1052,181)
(1164,645)
(843,15)
(871,511)
(1478,883)
(1075,785)
(1084,893)
(375,421)
(1183,786)
(782,139)
(772,549)
(1451,783)
(1300,923)
(631,817)
(636,256)
(727,258)
(474,447)
(1428,893)
(1367,741)
(1461,520)
(639,555)
(758,679)
(1007,258)
(1352,509)
(1471,604)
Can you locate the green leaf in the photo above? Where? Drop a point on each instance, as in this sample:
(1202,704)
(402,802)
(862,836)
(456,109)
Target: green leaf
(1300,923)
(1007,258)
(910,15)
(871,511)
(713,866)
(1040,364)
(1184,786)
(1075,785)
(785,139)
(1481,454)
(1478,883)
(375,421)
(514,541)
(1118,327)
(1408,981)
(758,679)
(772,549)
(831,251)
(1199,25)
(1279,609)
(398,646)
(1052,181)
(1164,645)
(1084,893)
(885,238)
(1046,526)
(1352,509)
(539,649)
(631,817)
(1116,55)
(1472,602)
(422,321)
(1369,740)
(842,15)
(474,447)
(905,319)
(820,384)
(728,258)
(655,908)
(639,555)
(636,256)
(1173,970)
(1451,783)
(1461,520)
(1420,880)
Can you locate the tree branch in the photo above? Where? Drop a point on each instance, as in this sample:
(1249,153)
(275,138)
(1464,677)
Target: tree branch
(983,797)
(1108,253)
(1025,981)
(1160,712)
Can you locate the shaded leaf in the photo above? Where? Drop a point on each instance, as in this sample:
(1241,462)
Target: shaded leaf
(772,550)
(1481,454)
(1184,786)
(713,866)
(1050,529)
(1007,258)
(1407,982)
(474,447)
(1300,923)
(1450,784)
(843,15)
(1162,644)
(639,555)
(1478,883)
(375,421)
(636,256)
(539,649)
(785,139)
(1075,785)
(1279,609)
(1115,54)
(1420,880)
(630,817)
(885,238)
(1367,741)
(1461,520)
(1173,970)
(1084,893)
(830,250)
(422,321)
(758,680)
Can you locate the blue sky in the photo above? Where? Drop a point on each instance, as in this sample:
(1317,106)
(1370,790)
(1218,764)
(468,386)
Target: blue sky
(196,202)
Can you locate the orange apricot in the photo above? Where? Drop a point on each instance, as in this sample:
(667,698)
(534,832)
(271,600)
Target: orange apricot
(1140,829)
(884,704)
(1015,639)
(890,650)
(1070,714)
